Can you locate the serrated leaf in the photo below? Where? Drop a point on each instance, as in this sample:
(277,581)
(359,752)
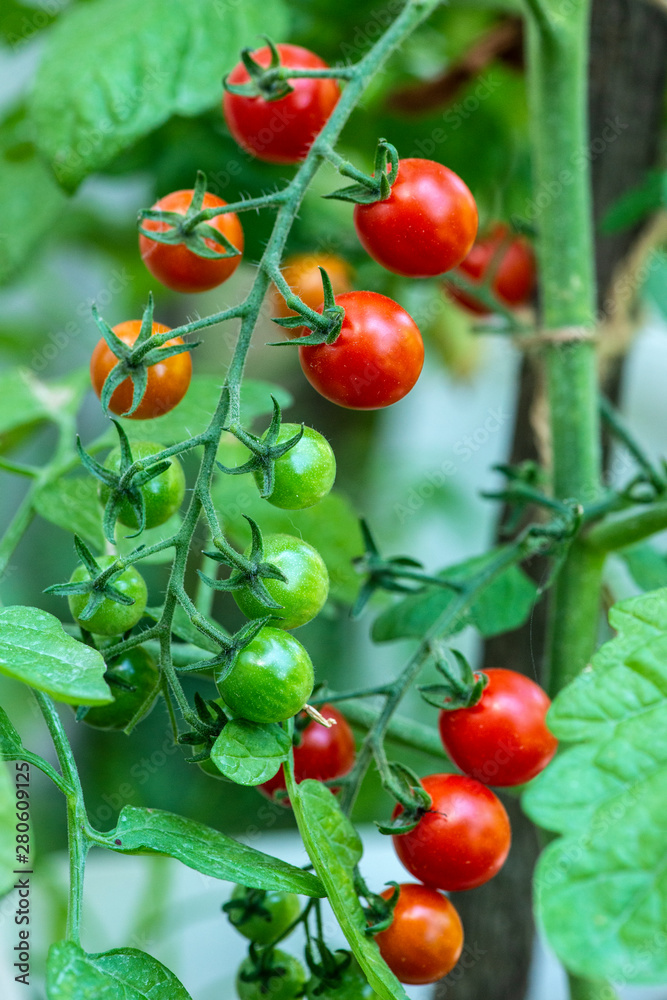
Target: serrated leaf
(25,180)
(140,64)
(152,831)
(73,504)
(7,830)
(503,606)
(335,849)
(35,649)
(601,889)
(250,752)
(125,973)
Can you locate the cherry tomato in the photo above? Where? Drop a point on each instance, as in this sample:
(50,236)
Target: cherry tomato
(110,618)
(271,678)
(322,754)
(503,739)
(302,274)
(426,226)
(281,131)
(512,261)
(462,840)
(304,474)
(304,593)
(163,494)
(376,359)
(174,264)
(425,939)
(266,915)
(284,979)
(168,380)
(139,671)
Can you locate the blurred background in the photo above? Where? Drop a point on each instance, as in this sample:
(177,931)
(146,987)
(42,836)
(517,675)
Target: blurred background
(455,93)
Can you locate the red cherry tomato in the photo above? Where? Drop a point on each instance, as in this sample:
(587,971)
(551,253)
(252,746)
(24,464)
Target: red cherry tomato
(376,359)
(513,263)
(174,264)
(425,939)
(503,739)
(425,227)
(281,131)
(462,840)
(167,383)
(322,754)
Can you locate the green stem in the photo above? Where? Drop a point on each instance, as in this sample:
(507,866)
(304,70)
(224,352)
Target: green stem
(588,989)
(18,525)
(557,76)
(628,528)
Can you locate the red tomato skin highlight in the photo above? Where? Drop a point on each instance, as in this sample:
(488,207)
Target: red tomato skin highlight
(425,227)
(167,383)
(503,740)
(322,754)
(462,841)
(514,279)
(175,265)
(281,131)
(425,939)
(375,361)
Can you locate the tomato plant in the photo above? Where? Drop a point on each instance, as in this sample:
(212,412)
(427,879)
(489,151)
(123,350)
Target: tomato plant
(283,979)
(270,679)
(111,617)
(503,739)
(135,677)
(167,383)
(376,359)
(321,753)
(302,274)
(303,592)
(462,840)
(304,474)
(163,495)
(425,938)
(507,261)
(177,266)
(261,915)
(425,227)
(281,130)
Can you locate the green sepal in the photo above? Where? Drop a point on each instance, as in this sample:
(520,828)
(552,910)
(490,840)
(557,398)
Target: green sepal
(375,188)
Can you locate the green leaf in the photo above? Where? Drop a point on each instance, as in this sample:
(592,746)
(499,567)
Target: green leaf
(7,830)
(250,752)
(504,605)
(73,504)
(647,566)
(142,63)
(655,286)
(208,851)
(35,649)
(10,741)
(25,181)
(196,410)
(635,205)
(601,889)
(121,974)
(26,400)
(335,849)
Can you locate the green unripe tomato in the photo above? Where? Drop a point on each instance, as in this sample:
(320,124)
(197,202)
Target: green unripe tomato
(305,473)
(268,915)
(138,669)
(350,985)
(307,587)
(110,618)
(163,495)
(286,983)
(271,678)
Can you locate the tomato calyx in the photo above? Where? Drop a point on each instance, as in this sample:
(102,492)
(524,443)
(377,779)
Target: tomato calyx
(262,965)
(208,721)
(267,82)
(404,786)
(191,229)
(134,361)
(247,573)
(460,687)
(379,909)
(124,486)
(99,586)
(390,574)
(244,907)
(325,325)
(329,967)
(265,450)
(368,189)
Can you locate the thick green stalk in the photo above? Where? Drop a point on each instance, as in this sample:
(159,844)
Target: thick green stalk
(557,74)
